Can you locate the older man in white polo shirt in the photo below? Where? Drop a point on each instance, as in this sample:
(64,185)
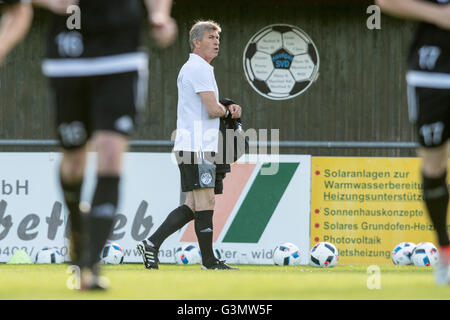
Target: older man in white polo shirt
(196,143)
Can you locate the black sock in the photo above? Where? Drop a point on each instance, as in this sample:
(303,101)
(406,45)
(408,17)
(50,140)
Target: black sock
(101,217)
(204,232)
(74,230)
(174,221)
(436,197)
(72,195)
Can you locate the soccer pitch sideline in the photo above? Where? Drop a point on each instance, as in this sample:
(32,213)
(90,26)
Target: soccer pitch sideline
(251,282)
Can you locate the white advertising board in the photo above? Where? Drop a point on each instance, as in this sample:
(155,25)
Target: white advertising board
(256,213)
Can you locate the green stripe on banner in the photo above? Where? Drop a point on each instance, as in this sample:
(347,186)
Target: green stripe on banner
(260,204)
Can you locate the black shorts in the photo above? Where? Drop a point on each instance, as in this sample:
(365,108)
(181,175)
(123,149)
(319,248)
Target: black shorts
(88,104)
(199,171)
(429,106)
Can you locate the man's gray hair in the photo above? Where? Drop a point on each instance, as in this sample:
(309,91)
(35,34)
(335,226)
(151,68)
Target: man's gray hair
(199,28)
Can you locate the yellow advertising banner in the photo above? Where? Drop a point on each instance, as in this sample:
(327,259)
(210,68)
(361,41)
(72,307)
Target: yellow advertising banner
(366,206)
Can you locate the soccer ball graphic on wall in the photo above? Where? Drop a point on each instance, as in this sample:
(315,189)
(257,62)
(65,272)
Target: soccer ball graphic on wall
(281,62)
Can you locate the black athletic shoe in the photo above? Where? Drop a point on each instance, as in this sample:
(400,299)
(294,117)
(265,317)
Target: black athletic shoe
(219,265)
(149,255)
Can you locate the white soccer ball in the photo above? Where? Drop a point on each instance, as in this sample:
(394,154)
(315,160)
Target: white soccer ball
(425,254)
(324,255)
(287,254)
(48,256)
(112,253)
(401,255)
(188,254)
(281,61)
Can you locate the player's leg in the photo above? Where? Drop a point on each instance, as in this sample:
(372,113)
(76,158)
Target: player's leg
(209,179)
(430,111)
(72,131)
(204,204)
(190,201)
(71,173)
(176,219)
(113,114)
(436,197)
(110,147)
(204,200)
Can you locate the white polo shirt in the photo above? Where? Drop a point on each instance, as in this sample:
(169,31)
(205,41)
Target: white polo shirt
(196,130)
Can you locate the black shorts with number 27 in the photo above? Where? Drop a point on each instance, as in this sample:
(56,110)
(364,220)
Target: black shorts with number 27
(428,82)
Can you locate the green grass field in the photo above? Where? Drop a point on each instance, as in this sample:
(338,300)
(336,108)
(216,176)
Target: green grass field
(177,282)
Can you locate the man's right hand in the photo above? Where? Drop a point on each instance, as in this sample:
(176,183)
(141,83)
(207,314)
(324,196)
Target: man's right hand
(443,19)
(235,110)
(164,30)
